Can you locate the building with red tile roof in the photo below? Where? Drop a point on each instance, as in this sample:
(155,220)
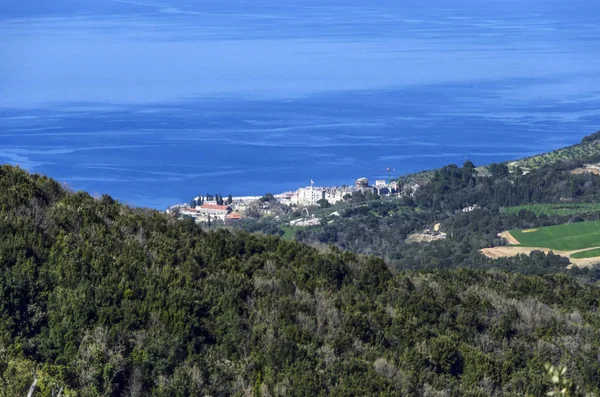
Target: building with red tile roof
(214,210)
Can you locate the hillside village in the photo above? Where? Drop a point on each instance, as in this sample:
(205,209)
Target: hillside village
(209,209)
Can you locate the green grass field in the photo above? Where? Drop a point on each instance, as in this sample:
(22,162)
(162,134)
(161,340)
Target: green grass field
(555,209)
(593,253)
(566,237)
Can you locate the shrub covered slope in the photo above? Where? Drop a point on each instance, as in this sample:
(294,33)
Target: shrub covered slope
(105,300)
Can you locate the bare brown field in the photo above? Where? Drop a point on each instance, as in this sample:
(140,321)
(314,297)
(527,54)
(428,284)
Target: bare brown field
(586,170)
(508,237)
(502,252)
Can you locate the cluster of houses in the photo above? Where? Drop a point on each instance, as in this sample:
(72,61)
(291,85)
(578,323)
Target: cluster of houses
(311,195)
(234,208)
(206,212)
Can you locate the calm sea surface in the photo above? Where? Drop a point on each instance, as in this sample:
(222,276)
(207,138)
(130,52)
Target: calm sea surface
(156,102)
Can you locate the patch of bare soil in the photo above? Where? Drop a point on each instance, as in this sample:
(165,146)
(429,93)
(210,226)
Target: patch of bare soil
(509,238)
(501,252)
(425,238)
(587,169)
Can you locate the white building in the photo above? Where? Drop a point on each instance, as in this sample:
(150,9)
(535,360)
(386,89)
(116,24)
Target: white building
(214,210)
(176,208)
(307,195)
(306,222)
(245,199)
(311,195)
(203,212)
(336,194)
(285,197)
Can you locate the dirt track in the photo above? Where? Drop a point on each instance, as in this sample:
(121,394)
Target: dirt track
(502,252)
(508,237)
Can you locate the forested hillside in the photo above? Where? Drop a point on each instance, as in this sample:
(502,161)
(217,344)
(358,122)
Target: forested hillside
(587,150)
(471,208)
(104,300)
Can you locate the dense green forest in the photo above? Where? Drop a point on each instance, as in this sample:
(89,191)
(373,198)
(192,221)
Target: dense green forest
(104,300)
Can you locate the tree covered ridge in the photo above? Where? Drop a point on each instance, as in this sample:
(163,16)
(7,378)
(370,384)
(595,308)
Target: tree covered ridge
(106,300)
(472,208)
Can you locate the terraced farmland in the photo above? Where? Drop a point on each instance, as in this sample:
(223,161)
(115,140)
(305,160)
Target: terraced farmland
(555,209)
(582,151)
(566,237)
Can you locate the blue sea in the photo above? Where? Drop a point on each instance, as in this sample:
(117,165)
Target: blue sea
(155,102)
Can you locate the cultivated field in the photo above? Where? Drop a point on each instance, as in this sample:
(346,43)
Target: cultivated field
(579,152)
(580,242)
(566,237)
(555,209)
